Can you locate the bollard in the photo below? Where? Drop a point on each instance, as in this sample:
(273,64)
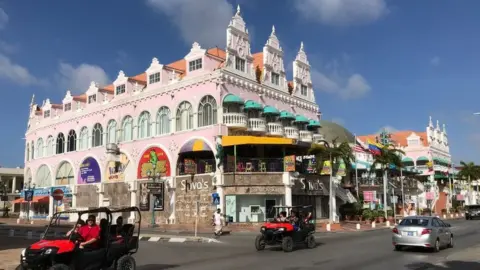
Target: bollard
(328,227)
(387,223)
(358,226)
(11,233)
(456,215)
(451,215)
(18,221)
(444,216)
(373,224)
(29,235)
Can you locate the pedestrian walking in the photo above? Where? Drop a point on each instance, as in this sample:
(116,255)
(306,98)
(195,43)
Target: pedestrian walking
(218,222)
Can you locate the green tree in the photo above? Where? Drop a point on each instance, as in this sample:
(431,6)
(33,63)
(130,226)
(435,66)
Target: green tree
(337,152)
(470,171)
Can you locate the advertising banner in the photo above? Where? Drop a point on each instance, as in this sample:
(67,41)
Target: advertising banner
(116,169)
(89,172)
(154,160)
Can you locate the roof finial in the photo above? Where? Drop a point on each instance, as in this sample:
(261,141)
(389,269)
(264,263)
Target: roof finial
(438,125)
(33,100)
(444,129)
(301,46)
(273,30)
(430,123)
(238,10)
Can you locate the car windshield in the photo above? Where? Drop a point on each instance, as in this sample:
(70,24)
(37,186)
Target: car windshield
(414,222)
(473,207)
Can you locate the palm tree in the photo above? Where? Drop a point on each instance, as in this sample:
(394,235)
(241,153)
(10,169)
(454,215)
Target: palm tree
(470,172)
(334,152)
(388,157)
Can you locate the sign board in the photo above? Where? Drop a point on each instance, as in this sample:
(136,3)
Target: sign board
(4,198)
(57,194)
(157,194)
(154,186)
(215,199)
(28,195)
(394,199)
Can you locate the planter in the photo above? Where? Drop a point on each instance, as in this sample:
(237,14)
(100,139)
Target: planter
(391,219)
(381,219)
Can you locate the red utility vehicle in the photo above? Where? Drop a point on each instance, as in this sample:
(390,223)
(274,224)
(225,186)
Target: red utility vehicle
(115,247)
(289,230)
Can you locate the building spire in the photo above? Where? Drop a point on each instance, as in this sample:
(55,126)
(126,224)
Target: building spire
(430,123)
(438,125)
(273,30)
(238,10)
(444,129)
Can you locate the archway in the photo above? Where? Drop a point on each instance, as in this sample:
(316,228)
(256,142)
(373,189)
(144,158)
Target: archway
(64,175)
(196,157)
(154,160)
(43,177)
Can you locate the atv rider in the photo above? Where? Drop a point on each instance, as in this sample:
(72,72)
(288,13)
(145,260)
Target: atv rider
(294,220)
(282,217)
(90,233)
(76,228)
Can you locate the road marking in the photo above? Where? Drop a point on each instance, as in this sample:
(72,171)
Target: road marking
(177,240)
(154,239)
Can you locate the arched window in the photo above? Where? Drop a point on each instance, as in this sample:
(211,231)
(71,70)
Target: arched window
(39,148)
(83,139)
(97,135)
(43,177)
(127,129)
(163,121)
(27,154)
(207,111)
(72,141)
(144,125)
(112,132)
(50,146)
(184,116)
(32,144)
(60,143)
(64,174)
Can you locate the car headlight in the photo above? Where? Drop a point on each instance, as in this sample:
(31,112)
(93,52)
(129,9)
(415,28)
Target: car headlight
(23,252)
(262,229)
(281,229)
(49,251)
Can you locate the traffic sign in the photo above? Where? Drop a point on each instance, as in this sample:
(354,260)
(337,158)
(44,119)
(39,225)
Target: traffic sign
(215,198)
(58,194)
(28,195)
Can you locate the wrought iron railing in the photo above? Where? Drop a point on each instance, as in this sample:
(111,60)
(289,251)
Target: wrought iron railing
(199,166)
(254,165)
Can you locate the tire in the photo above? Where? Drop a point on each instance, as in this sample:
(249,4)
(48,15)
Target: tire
(58,267)
(20,267)
(451,243)
(398,248)
(287,244)
(310,241)
(436,247)
(260,242)
(126,262)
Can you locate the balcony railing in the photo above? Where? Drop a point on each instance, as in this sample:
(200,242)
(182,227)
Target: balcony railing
(255,165)
(306,136)
(318,137)
(275,129)
(378,181)
(200,166)
(256,124)
(235,120)
(291,133)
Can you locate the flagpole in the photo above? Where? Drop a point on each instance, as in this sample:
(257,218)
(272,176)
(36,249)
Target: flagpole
(356,168)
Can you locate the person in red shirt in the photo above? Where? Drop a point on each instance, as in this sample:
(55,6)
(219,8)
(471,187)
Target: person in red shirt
(90,233)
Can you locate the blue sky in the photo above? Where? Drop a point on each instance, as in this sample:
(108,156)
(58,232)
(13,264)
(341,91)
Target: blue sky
(375,63)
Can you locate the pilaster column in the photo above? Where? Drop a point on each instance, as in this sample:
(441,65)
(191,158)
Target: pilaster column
(132,188)
(288,183)
(14,184)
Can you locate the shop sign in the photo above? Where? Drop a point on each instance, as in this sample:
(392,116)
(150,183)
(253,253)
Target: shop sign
(28,195)
(144,203)
(312,185)
(37,192)
(369,196)
(215,198)
(154,160)
(194,185)
(289,163)
(116,169)
(89,172)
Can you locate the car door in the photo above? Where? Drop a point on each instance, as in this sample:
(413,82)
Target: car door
(440,230)
(447,230)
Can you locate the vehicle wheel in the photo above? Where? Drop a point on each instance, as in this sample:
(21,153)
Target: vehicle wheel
(287,244)
(436,247)
(311,241)
(260,242)
(20,267)
(126,262)
(450,244)
(59,267)
(398,248)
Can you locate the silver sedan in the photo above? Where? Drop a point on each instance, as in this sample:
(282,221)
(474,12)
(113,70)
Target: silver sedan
(422,231)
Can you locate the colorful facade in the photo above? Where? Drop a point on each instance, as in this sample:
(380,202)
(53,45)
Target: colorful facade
(215,123)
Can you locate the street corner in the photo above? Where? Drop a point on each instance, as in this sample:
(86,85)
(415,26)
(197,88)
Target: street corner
(177,239)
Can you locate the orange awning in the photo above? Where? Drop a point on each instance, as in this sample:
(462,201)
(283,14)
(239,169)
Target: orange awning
(36,199)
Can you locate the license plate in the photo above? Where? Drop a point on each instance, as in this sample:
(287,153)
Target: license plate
(410,233)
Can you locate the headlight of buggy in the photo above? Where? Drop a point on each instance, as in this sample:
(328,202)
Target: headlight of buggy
(23,252)
(262,229)
(49,251)
(281,229)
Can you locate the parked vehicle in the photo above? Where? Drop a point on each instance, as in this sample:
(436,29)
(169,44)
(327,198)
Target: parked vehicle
(115,246)
(422,231)
(472,212)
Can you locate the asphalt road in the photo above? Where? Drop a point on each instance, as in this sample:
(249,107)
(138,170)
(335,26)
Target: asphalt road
(366,250)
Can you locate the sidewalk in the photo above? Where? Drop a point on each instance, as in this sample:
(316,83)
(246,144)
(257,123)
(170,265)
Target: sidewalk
(9,258)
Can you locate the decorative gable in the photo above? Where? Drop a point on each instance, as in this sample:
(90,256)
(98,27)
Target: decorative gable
(413,140)
(239,57)
(302,80)
(195,58)
(273,68)
(68,97)
(154,72)
(92,89)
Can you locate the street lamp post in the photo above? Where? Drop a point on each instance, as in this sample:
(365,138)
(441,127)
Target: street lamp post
(154,178)
(28,186)
(330,192)
(4,199)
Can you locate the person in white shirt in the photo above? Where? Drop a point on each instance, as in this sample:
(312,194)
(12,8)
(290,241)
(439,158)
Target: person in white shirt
(217,222)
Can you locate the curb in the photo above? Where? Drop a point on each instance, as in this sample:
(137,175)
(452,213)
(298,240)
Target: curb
(173,239)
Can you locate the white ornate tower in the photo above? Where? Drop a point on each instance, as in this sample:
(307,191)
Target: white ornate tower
(273,68)
(239,56)
(302,80)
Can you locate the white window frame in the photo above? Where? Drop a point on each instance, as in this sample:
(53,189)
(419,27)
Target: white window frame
(70,134)
(163,115)
(112,135)
(195,64)
(144,125)
(127,120)
(83,139)
(275,78)
(240,64)
(46,114)
(67,107)
(303,90)
(154,78)
(40,148)
(60,142)
(92,99)
(120,89)
(207,111)
(97,135)
(184,107)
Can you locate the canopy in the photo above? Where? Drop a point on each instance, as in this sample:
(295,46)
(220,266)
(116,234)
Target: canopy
(252,105)
(231,98)
(313,123)
(287,115)
(270,110)
(301,119)
(423,158)
(36,199)
(195,145)
(407,159)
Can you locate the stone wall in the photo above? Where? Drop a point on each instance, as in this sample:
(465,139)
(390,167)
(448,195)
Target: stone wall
(87,196)
(117,193)
(190,191)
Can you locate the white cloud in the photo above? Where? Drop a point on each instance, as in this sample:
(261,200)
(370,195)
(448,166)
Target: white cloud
(7,47)
(435,61)
(387,128)
(354,86)
(203,21)
(17,73)
(77,79)
(3,19)
(342,12)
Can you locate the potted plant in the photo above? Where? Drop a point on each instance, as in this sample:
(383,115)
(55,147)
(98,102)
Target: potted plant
(390,216)
(381,216)
(367,215)
(375,216)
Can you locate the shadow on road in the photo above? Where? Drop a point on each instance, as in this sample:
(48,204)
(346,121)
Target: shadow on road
(453,265)
(13,243)
(156,266)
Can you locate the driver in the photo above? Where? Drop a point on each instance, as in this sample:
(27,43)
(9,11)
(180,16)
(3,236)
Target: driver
(282,217)
(294,220)
(90,233)
(76,228)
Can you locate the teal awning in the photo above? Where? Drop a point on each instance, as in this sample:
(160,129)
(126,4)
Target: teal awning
(313,123)
(437,159)
(252,105)
(230,98)
(301,119)
(286,115)
(271,110)
(407,159)
(423,158)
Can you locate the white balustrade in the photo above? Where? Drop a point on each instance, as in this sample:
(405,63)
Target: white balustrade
(256,124)
(291,133)
(235,120)
(306,136)
(275,129)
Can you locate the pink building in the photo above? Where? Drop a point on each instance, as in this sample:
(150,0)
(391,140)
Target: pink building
(217,122)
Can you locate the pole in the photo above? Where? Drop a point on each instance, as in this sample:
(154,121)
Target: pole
(403,192)
(450,180)
(356,170)
(385,182)
(394,205)
(331,191)
(197,206)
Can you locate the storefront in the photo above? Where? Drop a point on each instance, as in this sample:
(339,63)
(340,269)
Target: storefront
(193,195)
(311,190)
(250,198)
(38,207)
